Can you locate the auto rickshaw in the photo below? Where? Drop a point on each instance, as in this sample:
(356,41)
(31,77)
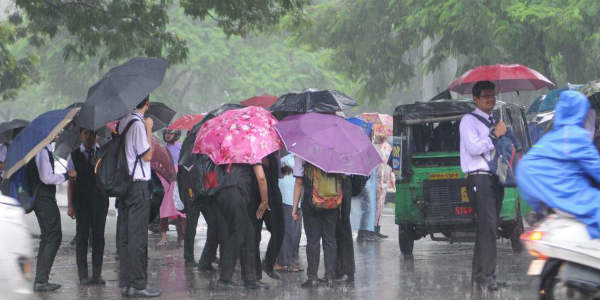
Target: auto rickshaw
(431,193)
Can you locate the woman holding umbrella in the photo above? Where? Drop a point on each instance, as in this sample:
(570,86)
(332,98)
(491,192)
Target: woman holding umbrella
(237,141)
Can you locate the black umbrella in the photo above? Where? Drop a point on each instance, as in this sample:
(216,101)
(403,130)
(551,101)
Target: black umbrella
(323,101)
(160,114)
(10,129)
(120,90)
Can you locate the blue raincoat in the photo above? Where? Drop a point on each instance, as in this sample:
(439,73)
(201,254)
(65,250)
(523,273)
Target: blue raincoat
(560,168)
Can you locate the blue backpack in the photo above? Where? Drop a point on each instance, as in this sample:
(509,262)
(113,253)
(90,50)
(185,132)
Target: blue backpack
(24,184)
(506,153)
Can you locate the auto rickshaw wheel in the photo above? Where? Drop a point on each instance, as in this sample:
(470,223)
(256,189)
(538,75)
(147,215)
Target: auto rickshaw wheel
(406,240)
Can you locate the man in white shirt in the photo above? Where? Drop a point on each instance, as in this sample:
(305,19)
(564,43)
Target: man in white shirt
(134,208)
(484,189)
(48,215)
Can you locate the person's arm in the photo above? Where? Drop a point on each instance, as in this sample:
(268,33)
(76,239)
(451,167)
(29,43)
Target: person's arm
(259,172)
(474,144)
(70,186)
(298,186)
(47,176)
(148,123)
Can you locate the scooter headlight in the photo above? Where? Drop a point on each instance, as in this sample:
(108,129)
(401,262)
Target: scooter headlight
(532,236)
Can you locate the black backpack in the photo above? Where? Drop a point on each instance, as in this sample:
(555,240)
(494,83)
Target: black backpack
(112,173)
(208,178)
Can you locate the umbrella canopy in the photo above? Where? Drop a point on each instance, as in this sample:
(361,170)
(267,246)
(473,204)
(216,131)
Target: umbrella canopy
(37,135)
(264,100)
(120,90)
(382,123)
(10,129)
(162,161)
(243,136)
(69,139)
(507,78)
(326,101)
(160,114)
(329,142)
(186,122)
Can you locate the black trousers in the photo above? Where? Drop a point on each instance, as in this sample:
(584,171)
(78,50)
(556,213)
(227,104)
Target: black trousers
(274,220)
(486,194)
(134,213)
(236,235)
(209,252)
(91,214)
(320,225)
(345,243)
(209,211)
(48,217)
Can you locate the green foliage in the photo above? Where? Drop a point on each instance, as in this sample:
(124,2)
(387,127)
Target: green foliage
(17,68)
(219,69)
(557,37)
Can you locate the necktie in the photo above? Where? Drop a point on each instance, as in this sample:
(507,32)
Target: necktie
(491,119)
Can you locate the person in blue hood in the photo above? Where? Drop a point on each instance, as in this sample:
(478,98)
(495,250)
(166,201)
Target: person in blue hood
(561,169)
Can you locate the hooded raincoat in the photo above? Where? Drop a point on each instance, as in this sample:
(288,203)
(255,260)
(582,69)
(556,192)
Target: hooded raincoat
(560,169)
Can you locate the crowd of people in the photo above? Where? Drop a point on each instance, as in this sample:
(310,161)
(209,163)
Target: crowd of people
(276,193)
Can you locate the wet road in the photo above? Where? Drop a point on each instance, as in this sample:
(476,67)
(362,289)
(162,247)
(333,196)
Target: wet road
(439,271)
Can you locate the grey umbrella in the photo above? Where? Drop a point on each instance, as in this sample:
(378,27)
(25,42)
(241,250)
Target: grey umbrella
(120,90)
(10,129)
(160,114)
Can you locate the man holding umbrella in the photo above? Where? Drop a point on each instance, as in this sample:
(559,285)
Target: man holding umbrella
(134,208)
(484,189)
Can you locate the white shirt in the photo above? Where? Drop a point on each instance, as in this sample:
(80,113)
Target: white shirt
(136,145)
(474,141)
(70,164)
(45,169)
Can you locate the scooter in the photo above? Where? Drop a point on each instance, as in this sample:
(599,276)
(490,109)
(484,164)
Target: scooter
(566,258)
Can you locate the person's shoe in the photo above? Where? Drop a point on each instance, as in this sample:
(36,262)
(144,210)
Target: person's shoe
(145,293)
(408,257)
(271,273)
(45,287)
(97,281)
(161,243)
(224,285)
(379,234)
(124,291)
(309,284)
(190,263)
(208,268)
(366,236)
(251,285)
(262,285)
(278,267)
(344,278)
(85,281)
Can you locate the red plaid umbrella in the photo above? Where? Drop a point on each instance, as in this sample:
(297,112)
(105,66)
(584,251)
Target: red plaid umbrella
(264,100)
(508,78)
(186,122)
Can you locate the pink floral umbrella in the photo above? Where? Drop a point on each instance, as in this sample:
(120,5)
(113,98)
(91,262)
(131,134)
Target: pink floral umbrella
(382,123)
(243,136)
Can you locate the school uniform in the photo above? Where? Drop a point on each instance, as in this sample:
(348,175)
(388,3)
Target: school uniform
(47,213)
(134,208)
(91,207)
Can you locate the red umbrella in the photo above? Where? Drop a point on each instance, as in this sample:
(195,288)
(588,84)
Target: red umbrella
(264,100)
(508,78)
(186,122)
(162,161)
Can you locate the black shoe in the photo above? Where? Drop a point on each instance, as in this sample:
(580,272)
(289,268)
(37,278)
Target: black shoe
(190,263)
(85,281)
(344,278)
(263,285)
(311,283)
(124,291)
(272,273)
(145,293)
(252,285)
(208,268)
(408,257)
(379,234)
(46,287)
(97,281)
(366,236)
(224,285)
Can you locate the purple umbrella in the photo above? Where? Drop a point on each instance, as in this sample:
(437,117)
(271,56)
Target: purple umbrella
(329,142)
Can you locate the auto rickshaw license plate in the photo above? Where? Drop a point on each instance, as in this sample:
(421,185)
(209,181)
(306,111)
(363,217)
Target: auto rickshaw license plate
(535,267)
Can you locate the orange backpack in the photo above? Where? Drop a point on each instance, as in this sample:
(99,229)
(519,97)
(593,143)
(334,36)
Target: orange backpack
(326,188)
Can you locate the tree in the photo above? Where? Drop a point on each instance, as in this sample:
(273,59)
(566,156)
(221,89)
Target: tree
(557,37)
